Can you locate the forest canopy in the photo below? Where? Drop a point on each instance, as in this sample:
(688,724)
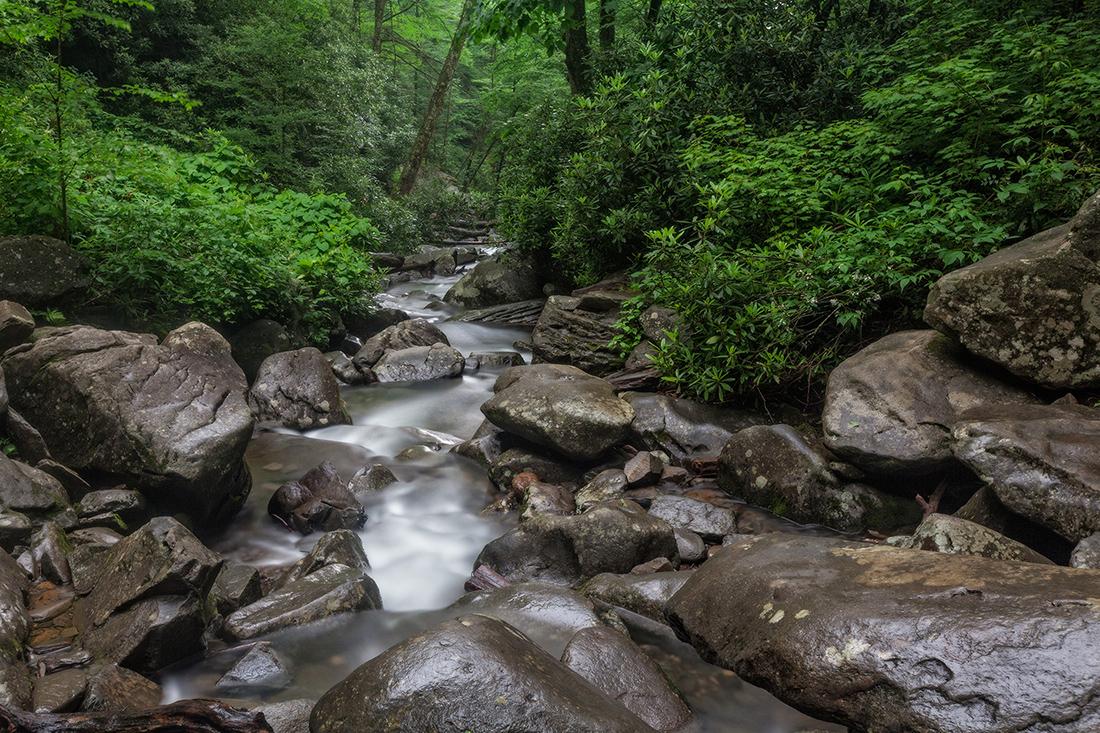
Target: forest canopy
(789,177)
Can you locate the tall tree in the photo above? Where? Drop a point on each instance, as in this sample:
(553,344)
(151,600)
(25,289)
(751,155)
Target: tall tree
(379,21)
(578,62)
(437,101)
(607,25)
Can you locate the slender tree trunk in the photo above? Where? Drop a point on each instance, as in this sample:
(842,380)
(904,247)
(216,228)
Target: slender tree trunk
(379,21)
(652,14)
(59,120)
(435,103)
(577,55)
(607,25)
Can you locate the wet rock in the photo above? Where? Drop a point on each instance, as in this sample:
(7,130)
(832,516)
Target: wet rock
(257,341)
(150,634)
(549,615)
(114,508)
(955,536)
(515,461)
(494,360)
(15,623)
(1087,553)
(297,389)
(475,673)
(609,538)
(505,278)
(26,439)
(656,565)
(645,595)
(690,545)
(288,716)
(161,558)
(560,408)
(890,408)
(706,520)
(75,486)
(329,591)
(378,320)
(28,490)
(543,498)
(370,479)
(41,271)
(986,509)
(403,335)
(16,324)
(3,397)
(49,548)
(319,501)
(167,421)
(1040,460)
(605,486)
(260,670)
(15,530)
(683,429)
(774,467)
(237,585)
(644,468)
(341,547)
(346,370)
(420,364)
(567,333)
(935,642)
(617,667)
(114,689)
(60,692)
(1031,307)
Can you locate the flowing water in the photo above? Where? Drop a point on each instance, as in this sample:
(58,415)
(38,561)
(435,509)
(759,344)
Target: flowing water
(423,534)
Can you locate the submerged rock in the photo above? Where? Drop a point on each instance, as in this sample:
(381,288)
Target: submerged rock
(560,408)
(890,408)
(880,638)
(297,389)
(473,674)
(1034,307)
(166,420)
(1040,460)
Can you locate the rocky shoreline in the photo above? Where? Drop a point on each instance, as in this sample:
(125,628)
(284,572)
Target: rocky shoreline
(925,558)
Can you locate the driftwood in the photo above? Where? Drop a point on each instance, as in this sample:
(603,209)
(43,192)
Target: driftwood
(485,578)
(647,378)
(185,716)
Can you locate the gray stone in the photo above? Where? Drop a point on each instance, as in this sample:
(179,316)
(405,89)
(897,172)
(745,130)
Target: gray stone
(41,271)
(617,667)
(567,333)
(16,324)
(683,429)
(60,692)
(260,670)
(114,689)
(605,486)
(169,422)
(560,408)
(49,551)
(707,520)
(329,591)
(114,508)
(340,547)
(403,335)
(297,389)
(774,467)
(475,673)
(955,536)
(25,437)
(1087,553)
(257,341)
(644,468)
(150,634)
(494,360)
(320,500)
(369,479)
(1031,307)
(1040,460)
(346,370)
(690,545)
(288,716)
(376,321)
(515,461)
(15,530)
(543,498)
(934,642)
(504,278)
(28,490)
(237,585)
(420,364)
(645,595)
(890,408)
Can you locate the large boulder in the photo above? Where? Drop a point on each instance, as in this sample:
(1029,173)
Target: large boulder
(16,325)
(880,638)
(257,341)
(297,389)
(402,335)
(890,408)
(27,490)
(40,271)
(774,467)
(609,538)
(1034,307)
(150,634)
(420,364)
(164,419)
(569,333)
(955,536)
(561,408)
(500,279)
(471,674)
(681,428)
(1042,461)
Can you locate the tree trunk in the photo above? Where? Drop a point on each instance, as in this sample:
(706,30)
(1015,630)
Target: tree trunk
(435,103)
(607,25)
(194,716)
(577,57)
(379,20)
(652,14)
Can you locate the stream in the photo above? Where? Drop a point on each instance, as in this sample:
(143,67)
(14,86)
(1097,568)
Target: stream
(423,534)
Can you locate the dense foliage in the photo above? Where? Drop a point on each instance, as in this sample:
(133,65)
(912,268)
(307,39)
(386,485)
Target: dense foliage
(792,185)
